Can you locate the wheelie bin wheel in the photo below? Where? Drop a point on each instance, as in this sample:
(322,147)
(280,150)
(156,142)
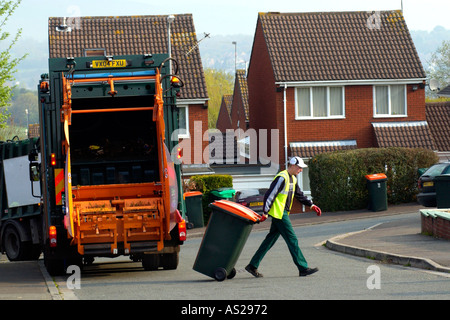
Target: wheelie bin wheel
(220,274)
(232,274)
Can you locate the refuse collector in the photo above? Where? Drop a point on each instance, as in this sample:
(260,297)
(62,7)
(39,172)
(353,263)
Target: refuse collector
(277,204)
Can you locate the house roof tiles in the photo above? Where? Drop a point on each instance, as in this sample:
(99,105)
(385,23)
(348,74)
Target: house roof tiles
(438,118)
(227,100)
(127,35)
(327,46)
(241,79)
(408,134)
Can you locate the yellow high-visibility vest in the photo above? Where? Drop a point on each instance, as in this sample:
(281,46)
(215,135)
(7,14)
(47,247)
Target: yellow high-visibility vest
(279,203)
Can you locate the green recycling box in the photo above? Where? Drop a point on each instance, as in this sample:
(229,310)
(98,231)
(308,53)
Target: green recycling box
(442,185)
(223,194)
(225,236)
(377,185)
(194,208)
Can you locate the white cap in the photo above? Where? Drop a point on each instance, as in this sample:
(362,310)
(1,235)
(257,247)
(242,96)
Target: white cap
(298,162)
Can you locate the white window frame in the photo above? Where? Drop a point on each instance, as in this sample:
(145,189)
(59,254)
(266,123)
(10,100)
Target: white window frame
(300,183)
(300,179)
(311,105)
(187,135)
(389,114)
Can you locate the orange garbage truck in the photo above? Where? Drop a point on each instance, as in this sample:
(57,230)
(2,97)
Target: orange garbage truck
(101,172)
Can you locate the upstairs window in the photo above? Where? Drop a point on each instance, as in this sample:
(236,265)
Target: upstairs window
(389,101)
(320,102)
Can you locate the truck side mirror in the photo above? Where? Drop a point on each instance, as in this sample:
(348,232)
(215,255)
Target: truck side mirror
(34,171)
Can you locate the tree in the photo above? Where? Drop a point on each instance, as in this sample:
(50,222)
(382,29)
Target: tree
(218,83)
(7,63)
(440,65)
(24,108)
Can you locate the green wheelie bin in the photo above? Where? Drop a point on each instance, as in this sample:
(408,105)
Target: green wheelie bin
(194,208)
(224,238)
(377,185)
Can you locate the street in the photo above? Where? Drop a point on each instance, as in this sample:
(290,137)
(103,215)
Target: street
(340,276)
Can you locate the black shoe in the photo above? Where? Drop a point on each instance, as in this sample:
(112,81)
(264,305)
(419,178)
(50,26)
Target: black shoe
(308,271)
(253,271)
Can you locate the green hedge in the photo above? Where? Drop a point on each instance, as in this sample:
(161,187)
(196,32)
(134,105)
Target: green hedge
(207,183)
(338,180)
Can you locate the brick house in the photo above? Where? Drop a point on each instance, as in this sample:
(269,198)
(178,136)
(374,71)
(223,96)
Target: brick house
(129,35)
(336,80)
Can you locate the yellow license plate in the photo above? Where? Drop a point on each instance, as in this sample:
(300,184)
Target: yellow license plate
(428,184)
(255,204)
(98,64)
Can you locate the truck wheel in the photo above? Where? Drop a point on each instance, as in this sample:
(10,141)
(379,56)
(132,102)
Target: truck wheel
(58,266)
(170,261)
(14,248)
(150,262)
(33,251)
(55,267)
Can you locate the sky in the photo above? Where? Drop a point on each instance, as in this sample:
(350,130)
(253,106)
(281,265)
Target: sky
(228,17)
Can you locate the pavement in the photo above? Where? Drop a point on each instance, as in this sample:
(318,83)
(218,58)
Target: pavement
(399,242)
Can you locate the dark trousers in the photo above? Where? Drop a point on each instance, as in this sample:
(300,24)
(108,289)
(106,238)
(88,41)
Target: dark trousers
(284,228)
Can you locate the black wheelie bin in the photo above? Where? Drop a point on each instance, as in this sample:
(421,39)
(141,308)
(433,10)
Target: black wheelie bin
(225,236)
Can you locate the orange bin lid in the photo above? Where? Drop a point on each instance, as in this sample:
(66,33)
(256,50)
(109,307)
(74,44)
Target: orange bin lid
(192,194)
(238,209)
(377,176)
